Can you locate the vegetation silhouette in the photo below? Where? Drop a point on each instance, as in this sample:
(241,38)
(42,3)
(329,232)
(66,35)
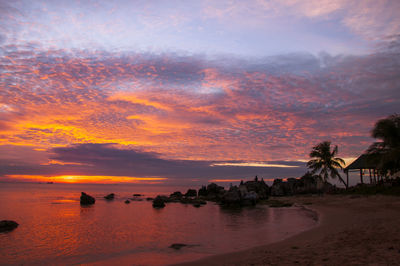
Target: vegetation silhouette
(325,161)
(386,153)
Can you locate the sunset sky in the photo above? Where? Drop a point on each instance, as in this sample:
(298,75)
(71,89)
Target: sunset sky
(172,92)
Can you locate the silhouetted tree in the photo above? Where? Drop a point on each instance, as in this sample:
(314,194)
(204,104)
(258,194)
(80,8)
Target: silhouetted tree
(324,161)
(387,152)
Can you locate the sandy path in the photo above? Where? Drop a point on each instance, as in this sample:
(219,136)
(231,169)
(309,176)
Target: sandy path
(351,231)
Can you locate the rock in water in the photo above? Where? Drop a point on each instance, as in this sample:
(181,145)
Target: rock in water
(109,196)
(7,225)
(159,202)
(177,246)
(87,199)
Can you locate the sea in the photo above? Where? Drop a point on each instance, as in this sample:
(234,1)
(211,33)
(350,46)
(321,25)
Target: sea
(54,229)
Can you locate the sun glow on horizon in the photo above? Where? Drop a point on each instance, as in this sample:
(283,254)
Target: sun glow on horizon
(90,179)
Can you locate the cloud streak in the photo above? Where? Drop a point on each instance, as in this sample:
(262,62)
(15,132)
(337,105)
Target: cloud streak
(106,162)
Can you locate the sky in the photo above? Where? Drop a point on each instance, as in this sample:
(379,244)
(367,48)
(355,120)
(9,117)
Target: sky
(190,92)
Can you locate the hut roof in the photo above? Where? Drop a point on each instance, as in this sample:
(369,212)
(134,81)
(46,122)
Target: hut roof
(365,161)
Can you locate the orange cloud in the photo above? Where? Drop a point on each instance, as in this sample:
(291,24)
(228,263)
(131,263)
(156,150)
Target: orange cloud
(137,100)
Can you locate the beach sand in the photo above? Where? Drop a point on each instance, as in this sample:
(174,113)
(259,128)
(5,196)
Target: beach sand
(351,230)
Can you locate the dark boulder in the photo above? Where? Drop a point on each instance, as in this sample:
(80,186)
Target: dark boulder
(191,193)
(214,189)
(177,194)
(127,202)
(278,188)
(305,185)
(177,246)
(159,202)
(203,191)
(137,195)
(259,187)
(175,197)
(8,225)
(308,183)
(87,199)
(109,196)
(250,198)
(232,197)
(212,192)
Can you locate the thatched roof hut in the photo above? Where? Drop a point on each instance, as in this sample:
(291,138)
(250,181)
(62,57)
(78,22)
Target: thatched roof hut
(364,162)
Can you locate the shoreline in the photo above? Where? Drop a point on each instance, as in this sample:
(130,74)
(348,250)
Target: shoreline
(351,230)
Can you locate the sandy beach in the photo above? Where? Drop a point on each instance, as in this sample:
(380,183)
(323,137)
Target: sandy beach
(351,230)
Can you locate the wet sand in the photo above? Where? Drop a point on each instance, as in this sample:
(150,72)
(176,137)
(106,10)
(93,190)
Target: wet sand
(352,230)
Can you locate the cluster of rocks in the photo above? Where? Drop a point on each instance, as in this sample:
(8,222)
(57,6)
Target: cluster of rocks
(87,199)
(307,184)
(190,197)
(246,194)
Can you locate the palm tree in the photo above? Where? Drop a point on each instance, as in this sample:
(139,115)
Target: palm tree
(387,152)
(324,161)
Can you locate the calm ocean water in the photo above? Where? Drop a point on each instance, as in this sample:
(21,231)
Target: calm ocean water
(55,229)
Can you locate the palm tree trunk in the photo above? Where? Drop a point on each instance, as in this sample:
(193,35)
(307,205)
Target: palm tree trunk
(344,183)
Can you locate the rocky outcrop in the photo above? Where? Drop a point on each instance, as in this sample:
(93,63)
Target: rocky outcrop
(248,193)
(281,188)
(193,201)
(240,196)
(87,199)
(188,198)
(176,196)
(305,185)
(7,225)
(159,202)
(202,191)
(212,192)
(259,187)
(191,193)
(250,198)
(110,196)
(232,197)
(278,188)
